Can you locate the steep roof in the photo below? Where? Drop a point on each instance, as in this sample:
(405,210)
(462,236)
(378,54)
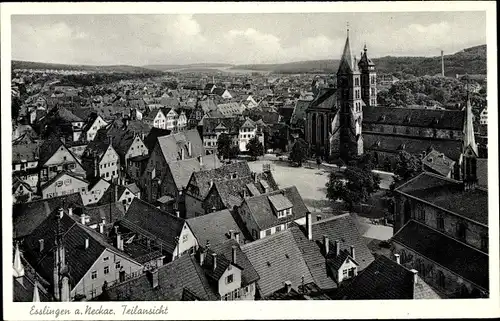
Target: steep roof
(28,216)
(61,174)
(449,195)
(110,212)
(145,218)
(277,259)
(202,178)
(384,279)
(153,135)
(174,279)
(170,145)
(299,112)
(326,99)
(438,162)
(347,61)
(415,117)
(25,152)
(233,124)
(413,145)
(462,259)
(260,207)
(343,228)
(214,227)
(183,169)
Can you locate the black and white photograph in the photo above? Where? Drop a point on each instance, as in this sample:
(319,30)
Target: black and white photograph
(302,155)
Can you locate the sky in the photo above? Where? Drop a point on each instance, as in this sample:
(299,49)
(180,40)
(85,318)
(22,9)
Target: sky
(239,38)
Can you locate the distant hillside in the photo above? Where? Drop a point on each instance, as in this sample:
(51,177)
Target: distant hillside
(188,66)
(471,60)
(17,64)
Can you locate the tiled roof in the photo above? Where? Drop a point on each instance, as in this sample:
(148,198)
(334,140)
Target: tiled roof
(233,124)
(183,169)
(314,259)
(152,114)
(28,152)
(438,162)
(462,259)
(27,216)
(61,174)
(151,138)
(208,105)
(277,259)
(248,274)
(482,172)
(110,212)
(229,109)
(280,202)
(48,148)
(326,100)
(299,112)
(78,258)
(263,214)
(173,278)
(428,118)
(449,195)
(336,261)
(385,279)
(67,115)
(170,145)
(133,188)
(343,228)
(202,178)
(145,218)
(413,145)
(214,227)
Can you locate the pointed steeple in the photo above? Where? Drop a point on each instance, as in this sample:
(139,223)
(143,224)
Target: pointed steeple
(36,295)
(346,63)
(469,139)
(18,265)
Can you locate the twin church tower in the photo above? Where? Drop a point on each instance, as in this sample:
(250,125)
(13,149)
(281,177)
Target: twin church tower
(335,117)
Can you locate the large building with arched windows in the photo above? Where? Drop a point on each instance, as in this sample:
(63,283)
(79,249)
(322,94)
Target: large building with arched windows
(345,120)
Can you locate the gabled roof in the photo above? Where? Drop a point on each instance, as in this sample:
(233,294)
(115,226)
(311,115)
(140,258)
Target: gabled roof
(343,228)
(438,162)
(261,209)
(214,227)
(460,258)
(233,124)
(145,218)
(27,216)
(153,135)
(384,279)
(182,170)
(299,112)
(449,194)
(277,259)
(61,174)
(27,152)
(174,279)
(202,178)
(110,212)
(151,116)
(171,144)
(326,99)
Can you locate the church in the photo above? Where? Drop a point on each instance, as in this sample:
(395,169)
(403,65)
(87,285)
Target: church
(345,120)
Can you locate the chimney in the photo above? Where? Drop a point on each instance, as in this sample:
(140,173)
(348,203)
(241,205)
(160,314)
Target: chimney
(119,242)
(189,149)
(237,237)
(233,252)
(214,257)
(231,234)
(211,183)
(353,252)
(42,244)
(337,247)
(202,257)
(326,244)
(87,243)
(309,226)
(183,156)
(70,211)
(201,161)
(397,257)
(96,166)
(415,276)
(318,217)
(61,212)
(154,277)
(442,63)
(82,219)
(178,213)
(101,228)
(288,286)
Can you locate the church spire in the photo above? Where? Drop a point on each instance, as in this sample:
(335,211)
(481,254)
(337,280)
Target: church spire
(346,64)
(36,294)
(18,265)
(469,139)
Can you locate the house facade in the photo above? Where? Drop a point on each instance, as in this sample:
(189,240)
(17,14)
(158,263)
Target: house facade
(63,184)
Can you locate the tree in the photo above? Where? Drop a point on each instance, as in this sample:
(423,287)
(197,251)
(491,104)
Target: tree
(224,145)
(407,166)
(255,148)
(299,151)
(353,186)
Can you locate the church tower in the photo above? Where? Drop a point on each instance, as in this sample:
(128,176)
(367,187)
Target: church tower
(349,101)
(60,271)
(368,79)
(469,149)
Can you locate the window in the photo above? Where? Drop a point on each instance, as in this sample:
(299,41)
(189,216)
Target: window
(441,279)
(106,258)
(184,238)
(106,270)
(117,265)
(462,231)
(420,213)
(352,272)
(278,228)
(345,274)
(440,222)
(268,232)
(394,130)
(281,214)
(229,279)
(94,275)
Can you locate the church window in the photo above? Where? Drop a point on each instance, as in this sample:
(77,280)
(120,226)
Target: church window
(440,222)
(356,81)
(462,231)
(441,279)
